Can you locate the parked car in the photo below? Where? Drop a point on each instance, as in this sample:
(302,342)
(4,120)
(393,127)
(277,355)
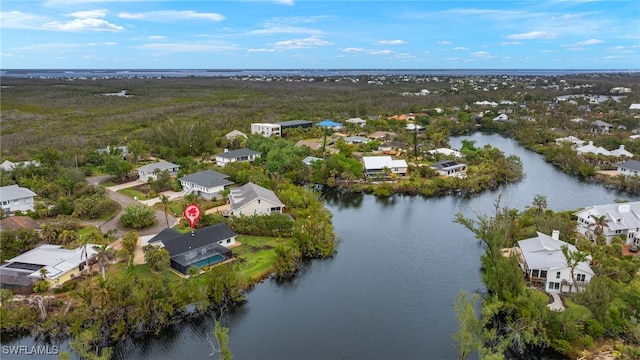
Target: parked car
(634,248)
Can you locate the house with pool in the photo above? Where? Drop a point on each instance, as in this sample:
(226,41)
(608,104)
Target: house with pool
(201,248)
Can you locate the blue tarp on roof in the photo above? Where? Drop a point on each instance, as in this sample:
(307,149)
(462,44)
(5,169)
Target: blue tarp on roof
(328,123)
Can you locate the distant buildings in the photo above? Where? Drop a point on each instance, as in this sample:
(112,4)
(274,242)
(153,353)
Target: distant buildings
(15,198)
(276,129)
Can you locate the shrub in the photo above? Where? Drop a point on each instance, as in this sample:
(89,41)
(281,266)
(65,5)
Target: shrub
(41,286)
(138,216)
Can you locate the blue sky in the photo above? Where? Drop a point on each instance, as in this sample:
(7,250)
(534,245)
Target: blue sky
(309,34)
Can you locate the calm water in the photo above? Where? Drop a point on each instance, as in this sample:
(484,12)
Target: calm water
(388,293)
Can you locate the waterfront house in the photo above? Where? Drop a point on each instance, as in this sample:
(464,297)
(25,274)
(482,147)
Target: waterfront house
(619,220)
(239,155)
(382,166)
(450,168)
(15,198)
(150,171)
(629,168)
(545,265)
(574,141)
(61,265)
(621,151)
(251,199)
(592,149)
(445,152)
(199,248)
(206,184)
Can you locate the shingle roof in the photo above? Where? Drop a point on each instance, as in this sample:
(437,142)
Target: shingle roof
(232,154)
(207,179)
(249,192)
(14,192)
(162,165)
(631,165)
(198,238)
(18,222)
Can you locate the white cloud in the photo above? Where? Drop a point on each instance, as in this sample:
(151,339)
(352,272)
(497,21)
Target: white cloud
(91,14)
(171,15)
(261,50)
(185,47)
(108,43)
(20,20)
(307,43)
(590,42)
(507,43)
(380,52)
(426,51)
(391,42)
(83,25)
(482,55)
(157,37)
(5,54)
(285,30)
(532,35)
(353,49)
(50,47)
(460,48)
(285,2)
(444,42)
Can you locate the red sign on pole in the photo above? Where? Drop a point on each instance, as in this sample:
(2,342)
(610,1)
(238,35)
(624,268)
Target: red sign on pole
(192,213)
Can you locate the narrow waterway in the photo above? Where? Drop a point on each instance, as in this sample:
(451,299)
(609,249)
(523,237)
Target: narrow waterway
(388,293)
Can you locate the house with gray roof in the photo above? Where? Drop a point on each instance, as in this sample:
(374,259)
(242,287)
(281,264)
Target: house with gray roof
(239,155)
(380,166)
(200,248)
(251,199)
(15,198)
(601,127)
(629,168)
(206,184)
(450,168)
(545,265)
(150,171)
(10,165)
(620,220)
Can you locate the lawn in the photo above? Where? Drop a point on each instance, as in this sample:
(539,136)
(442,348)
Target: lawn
(133,193)
(256,256)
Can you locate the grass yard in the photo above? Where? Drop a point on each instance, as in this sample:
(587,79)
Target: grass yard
(132,193)
(141,271)
(256,256)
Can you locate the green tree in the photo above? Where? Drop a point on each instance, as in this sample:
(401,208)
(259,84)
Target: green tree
(165,207)
(573,258)
(114,165)
(540,204)
(157,258)
(129,243)
(138,216)
(599,223)
(222,336)
(104,253)
(468,336)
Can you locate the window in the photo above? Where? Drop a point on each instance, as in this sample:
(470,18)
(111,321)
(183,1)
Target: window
(535,273)
(228,241)
(543,274)
(258,201)
(558,275)
(554,286)
(581,277)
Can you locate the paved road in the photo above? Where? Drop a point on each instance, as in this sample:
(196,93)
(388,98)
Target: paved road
(124,201)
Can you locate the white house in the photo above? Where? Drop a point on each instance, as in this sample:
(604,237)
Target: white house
(16,198)
(357,121)
(234,134)
(376,166)
(501,118)
(206,184)
(9,165)
(629,168)
(150,171)
(592,149)
(239,155)
(571,140)
(544,264)
(620,152)
(621,220)
(445,152)
(450,168)
(265,129)
(252,199)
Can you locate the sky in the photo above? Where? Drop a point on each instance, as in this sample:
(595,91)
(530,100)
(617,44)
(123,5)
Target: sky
(311,34)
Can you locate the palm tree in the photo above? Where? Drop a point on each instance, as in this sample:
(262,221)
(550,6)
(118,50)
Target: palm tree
(68,236)
(165,206)
(103,254)
(85,241)
(540,204)
(599,223)
(43,273)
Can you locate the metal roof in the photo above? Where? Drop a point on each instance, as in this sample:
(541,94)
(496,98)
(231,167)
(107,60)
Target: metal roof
(15,192)
(233,154)
(544,252)
(162,165)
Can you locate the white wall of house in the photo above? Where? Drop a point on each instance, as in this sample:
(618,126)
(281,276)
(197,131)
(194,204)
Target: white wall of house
(22,204)
(265,130)
(228,242)
(257,207)
(203,192)
(559,280)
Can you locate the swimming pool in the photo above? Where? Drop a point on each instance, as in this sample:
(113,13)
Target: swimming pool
(209,261)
